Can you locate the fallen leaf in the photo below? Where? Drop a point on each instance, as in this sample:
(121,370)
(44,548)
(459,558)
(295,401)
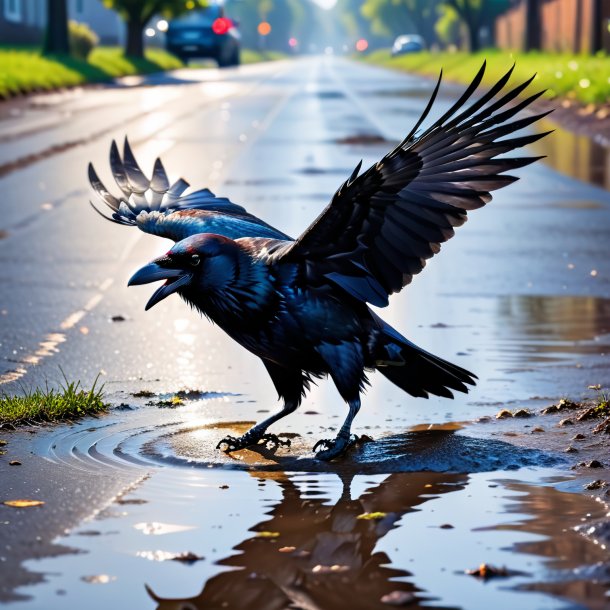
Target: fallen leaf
(334,569)
(398,598)
(98,579)
(267,534)
(486,570)
(23,503)
(14,463)
(372,516)
(185,557)
(287,549)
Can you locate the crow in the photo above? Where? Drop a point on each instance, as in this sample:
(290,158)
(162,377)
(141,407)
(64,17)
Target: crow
(302,305)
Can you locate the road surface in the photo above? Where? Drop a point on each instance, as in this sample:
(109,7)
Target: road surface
(521,296)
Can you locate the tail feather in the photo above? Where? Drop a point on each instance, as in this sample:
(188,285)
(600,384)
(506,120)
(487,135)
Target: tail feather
(420,373)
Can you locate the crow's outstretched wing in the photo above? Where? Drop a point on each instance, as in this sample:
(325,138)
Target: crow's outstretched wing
(159,208)
(382,225)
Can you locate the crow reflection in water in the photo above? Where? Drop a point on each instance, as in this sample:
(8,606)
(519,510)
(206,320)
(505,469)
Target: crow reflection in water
(323,536)
(302,305)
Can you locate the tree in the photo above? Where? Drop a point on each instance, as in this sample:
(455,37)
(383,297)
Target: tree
(478,14)
(56,31)
(532,25)
(394,17)
(137,13)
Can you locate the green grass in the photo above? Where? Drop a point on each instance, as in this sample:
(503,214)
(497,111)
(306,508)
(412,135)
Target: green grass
(24,70)
(250,56)
(581,77)
(47,405)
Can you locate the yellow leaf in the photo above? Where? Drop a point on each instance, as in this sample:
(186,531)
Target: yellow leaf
(372,516)
(23,503)
(267,534)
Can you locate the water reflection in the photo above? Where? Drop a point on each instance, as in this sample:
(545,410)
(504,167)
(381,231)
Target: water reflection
(313,553)
(550,328)
(310,554)
(575,155)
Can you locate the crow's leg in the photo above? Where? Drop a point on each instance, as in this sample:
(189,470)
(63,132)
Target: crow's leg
(258,433)
(343,441)
(346,366)
(290,385)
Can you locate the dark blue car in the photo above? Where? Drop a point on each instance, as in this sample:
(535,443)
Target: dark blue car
(204,34)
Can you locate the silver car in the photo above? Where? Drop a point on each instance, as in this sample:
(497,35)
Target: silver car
(408,43)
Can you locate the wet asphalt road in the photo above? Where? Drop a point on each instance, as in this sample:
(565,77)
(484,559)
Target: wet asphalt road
(521,296)
(278,138)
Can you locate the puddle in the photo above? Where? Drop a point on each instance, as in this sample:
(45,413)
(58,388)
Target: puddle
(536,329)
(313,171)
(415,93)
(574,155)
(364,139)
(218,531)
(286,540)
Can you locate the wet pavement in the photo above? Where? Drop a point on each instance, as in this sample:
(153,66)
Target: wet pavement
(521,297)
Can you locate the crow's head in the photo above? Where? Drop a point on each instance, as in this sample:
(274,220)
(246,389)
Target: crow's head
(195,266)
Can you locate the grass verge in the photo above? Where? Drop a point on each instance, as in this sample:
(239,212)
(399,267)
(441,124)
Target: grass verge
(250,56)
(583,78)
(47,405)
(25,70)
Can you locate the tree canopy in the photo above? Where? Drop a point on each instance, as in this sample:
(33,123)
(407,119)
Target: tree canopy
(137,13)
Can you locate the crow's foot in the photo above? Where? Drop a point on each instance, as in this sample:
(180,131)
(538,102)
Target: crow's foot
(334,447)
(249,439)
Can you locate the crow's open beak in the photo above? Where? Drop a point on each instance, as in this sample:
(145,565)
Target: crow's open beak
(175,278)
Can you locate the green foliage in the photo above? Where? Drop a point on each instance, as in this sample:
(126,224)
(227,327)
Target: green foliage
(26,70)
(82,39)
(388,17)
(581,77)
(249,56)
(45,405)
(448,27)
(143,10)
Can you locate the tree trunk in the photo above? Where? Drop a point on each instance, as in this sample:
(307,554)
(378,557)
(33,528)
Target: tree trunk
(135,39)
(578,28)
(56,30)
(532,25)
(473,36)
(596,26)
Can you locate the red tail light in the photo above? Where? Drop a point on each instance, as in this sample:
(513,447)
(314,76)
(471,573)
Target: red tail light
(222,25)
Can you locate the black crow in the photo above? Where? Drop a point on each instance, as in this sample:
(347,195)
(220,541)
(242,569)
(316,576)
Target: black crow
(302,305)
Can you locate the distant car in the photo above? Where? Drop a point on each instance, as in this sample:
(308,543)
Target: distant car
(204,34)
(408,43)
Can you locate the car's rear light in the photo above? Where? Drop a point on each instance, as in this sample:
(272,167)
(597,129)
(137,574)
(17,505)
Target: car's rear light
(221,25)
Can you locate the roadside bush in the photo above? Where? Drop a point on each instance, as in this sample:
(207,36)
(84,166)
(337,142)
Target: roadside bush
(82,39)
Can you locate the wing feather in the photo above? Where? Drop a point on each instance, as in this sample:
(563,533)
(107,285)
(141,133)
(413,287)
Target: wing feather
(384,223)
(160,208)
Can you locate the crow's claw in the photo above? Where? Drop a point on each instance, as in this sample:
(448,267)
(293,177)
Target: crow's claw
(232,443)
(235,443)
(274,440)
(334,447)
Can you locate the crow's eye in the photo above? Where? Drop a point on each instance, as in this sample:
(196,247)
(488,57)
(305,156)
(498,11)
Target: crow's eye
(195,260)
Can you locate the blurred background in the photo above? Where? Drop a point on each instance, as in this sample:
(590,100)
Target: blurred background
(316,26)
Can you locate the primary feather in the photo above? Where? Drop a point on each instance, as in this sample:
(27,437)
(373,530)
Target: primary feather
(302,305)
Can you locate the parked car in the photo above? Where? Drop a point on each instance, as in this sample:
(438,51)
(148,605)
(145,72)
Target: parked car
(206,34)
(408,43)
